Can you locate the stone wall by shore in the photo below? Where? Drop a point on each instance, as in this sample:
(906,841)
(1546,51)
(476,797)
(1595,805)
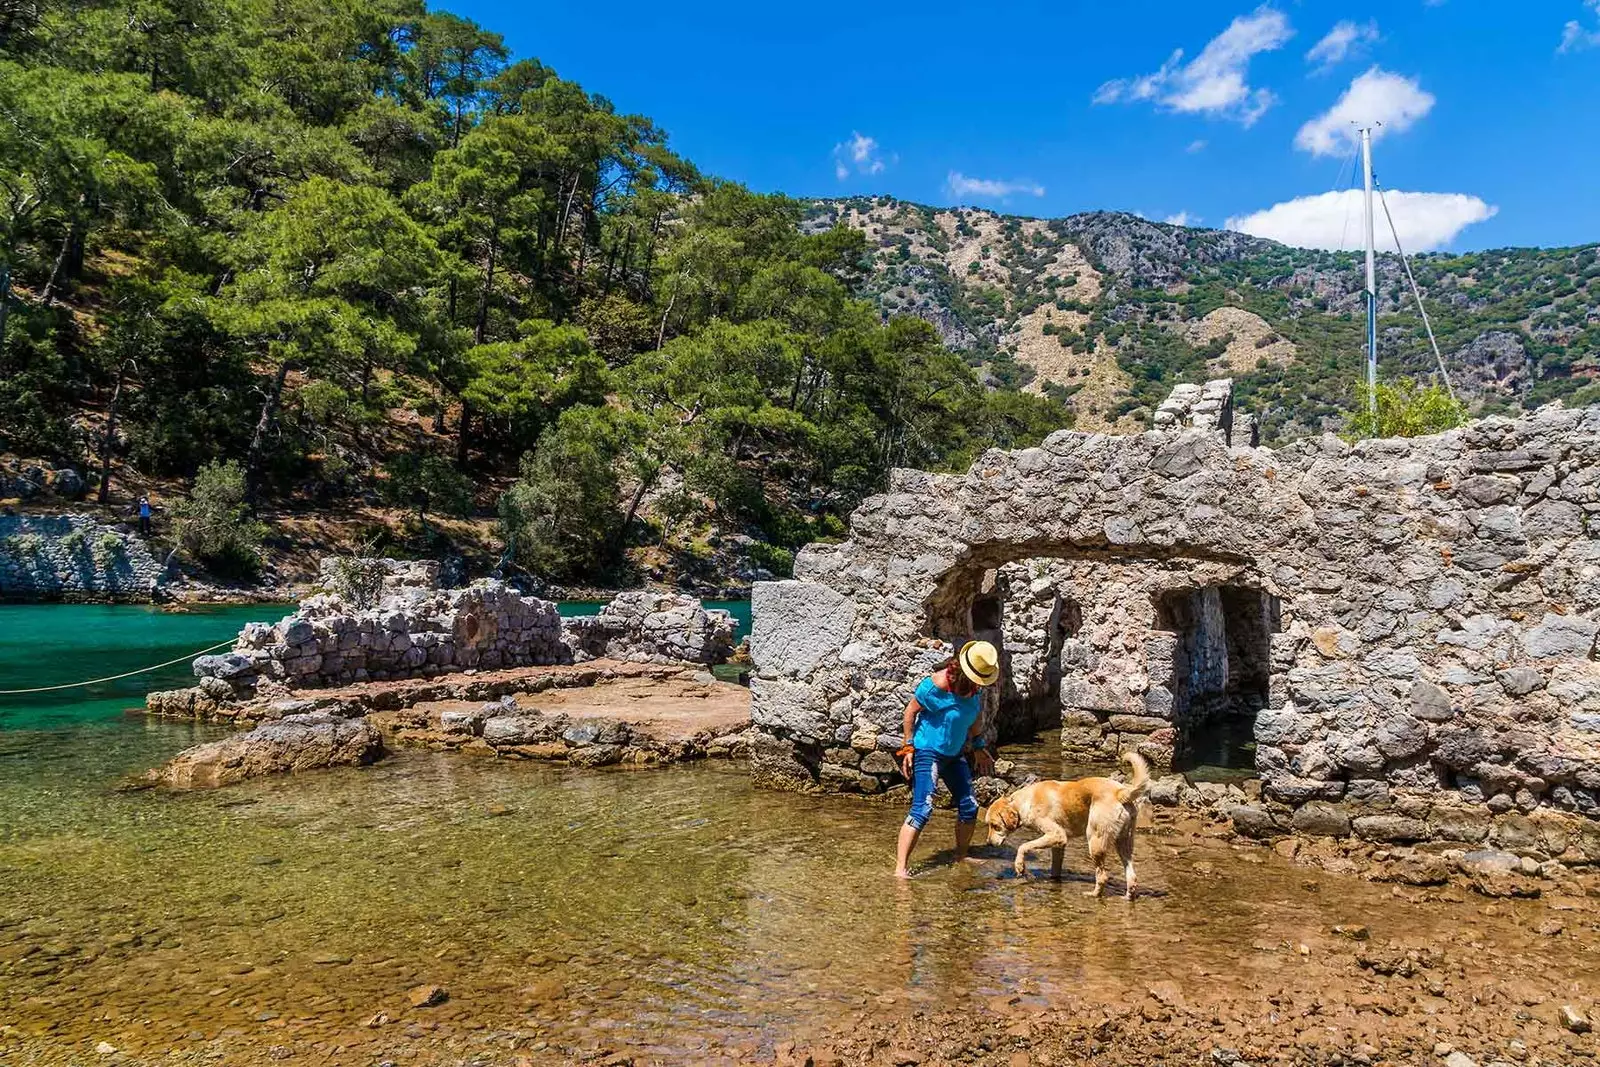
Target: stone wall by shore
(410,629)
(71,557)
(1409,625)
(652,627)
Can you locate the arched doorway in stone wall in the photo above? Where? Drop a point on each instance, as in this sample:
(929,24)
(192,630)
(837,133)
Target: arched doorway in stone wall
(1168,654)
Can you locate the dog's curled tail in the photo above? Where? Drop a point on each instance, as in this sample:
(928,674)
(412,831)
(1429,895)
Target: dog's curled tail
(1139,784)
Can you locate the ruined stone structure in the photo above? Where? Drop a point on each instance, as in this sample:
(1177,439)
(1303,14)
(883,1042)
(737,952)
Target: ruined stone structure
(650,627)
(414,631)
(72,557)
(1403,630)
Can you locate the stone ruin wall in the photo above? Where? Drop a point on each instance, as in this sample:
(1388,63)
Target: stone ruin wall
(416,630)
(1425,617)
(72,557)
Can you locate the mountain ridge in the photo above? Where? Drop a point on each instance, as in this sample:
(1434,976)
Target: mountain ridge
(1107,310)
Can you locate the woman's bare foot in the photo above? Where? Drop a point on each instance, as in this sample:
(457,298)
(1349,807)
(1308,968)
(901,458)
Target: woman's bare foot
(902,874)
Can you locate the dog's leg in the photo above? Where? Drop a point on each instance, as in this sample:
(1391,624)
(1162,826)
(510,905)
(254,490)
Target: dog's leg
(1098,848)
(1057,854)
(1021,865)
(1125,853)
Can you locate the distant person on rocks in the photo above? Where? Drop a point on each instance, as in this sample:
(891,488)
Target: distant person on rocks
(144,515)
(941,727)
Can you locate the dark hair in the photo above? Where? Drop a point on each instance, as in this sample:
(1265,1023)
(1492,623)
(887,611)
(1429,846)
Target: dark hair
(954,664)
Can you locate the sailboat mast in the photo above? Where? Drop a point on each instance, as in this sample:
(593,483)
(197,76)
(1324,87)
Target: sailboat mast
(1372,282)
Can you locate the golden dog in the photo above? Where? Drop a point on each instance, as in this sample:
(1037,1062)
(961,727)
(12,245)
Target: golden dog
(1102,809)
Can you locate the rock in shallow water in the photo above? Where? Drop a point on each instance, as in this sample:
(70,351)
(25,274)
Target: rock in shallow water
(295,743)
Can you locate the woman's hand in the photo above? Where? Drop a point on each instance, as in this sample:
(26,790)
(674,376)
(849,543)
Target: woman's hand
(982,762)
(907,756)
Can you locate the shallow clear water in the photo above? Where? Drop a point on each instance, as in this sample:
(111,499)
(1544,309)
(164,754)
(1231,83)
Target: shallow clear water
(665,911)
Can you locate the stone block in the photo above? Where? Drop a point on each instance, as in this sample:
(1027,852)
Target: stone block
(1561,636)
(1321,819)
(795,624)
(1431,703)
(794,707)
(1390,828)
(1519,681)
(1137,724)
(1469,824)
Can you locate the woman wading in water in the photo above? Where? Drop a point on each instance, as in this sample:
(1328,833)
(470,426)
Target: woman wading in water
(941,724)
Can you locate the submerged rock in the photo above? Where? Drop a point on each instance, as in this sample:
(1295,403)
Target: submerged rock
(296,743)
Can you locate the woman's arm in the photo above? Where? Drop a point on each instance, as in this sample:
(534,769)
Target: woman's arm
(909,727)
(983,760)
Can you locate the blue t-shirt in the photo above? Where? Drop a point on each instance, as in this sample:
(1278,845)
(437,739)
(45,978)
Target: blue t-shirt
(944,720)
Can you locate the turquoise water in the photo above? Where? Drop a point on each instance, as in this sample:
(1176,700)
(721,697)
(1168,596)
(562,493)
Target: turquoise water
(52,644)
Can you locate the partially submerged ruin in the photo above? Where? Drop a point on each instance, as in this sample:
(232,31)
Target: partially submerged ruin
(1401,633)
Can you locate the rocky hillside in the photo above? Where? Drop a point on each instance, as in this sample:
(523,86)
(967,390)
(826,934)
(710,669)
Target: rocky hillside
(1107,311)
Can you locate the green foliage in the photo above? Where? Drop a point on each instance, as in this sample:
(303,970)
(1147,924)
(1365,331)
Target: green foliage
(425,481)
(1406,409)
(357,579)
(558,517)
(214,523)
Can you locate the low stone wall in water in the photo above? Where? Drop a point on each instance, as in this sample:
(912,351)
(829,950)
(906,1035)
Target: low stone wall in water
(1406,628)
(71,557)
(415,630)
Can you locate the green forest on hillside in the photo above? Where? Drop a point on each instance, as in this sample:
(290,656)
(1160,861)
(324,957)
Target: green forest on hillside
(357,249)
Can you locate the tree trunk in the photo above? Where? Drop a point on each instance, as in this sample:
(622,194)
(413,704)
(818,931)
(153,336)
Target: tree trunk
(110,434)
(461,435)
(481,326)
(258,441)
(48,296)
(621,535)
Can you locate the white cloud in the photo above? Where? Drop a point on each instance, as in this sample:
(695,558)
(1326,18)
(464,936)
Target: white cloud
(1196,146)
(1374,97)
(1182,218)
(1344,40)
(1574,36)
(1213,83)
(1333,220)
(960,185)
(860,154)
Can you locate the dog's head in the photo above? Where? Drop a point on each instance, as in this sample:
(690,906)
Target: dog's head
(1002,818)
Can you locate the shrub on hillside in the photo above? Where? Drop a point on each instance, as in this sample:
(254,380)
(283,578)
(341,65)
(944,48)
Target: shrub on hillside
(1406,409)
(214,523)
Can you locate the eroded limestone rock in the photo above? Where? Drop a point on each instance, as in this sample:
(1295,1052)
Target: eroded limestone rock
(292,744)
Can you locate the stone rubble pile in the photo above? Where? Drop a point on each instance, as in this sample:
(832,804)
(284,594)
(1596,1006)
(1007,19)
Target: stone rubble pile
(1409,625)
(50,557)
(28,480)
(412,631)
(654,628)
(417,630)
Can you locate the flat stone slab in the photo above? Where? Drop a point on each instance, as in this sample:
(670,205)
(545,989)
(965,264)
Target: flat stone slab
(668,710)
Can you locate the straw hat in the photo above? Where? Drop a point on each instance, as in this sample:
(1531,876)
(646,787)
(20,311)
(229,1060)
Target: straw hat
(980,662)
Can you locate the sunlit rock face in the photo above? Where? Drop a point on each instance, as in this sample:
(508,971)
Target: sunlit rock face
(1401,627)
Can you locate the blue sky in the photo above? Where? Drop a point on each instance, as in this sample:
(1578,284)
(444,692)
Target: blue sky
(1049,109)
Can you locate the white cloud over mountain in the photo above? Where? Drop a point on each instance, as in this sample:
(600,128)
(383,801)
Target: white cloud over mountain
(1214,82)
(959,185)
(1333,220)
(1395,101)
(860,154)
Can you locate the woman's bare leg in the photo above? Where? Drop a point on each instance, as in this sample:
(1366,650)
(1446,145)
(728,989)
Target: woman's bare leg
(963,839)
(908,841)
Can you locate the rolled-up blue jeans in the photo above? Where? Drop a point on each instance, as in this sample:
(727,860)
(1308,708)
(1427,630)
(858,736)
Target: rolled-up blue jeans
(957,776)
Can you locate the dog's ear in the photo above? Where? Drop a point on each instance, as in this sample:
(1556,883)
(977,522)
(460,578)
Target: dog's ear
(1010,818)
